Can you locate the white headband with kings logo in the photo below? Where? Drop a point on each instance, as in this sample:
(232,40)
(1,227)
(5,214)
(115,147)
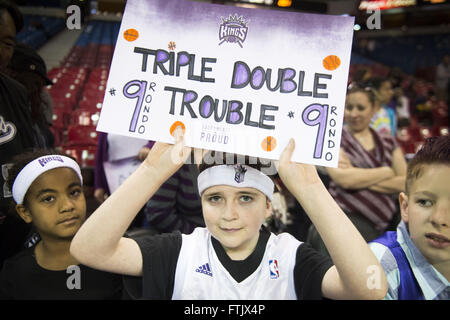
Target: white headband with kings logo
(240,176)
(35,168)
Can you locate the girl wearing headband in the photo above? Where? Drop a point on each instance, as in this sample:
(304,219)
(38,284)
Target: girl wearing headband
(232,258)
(47,192)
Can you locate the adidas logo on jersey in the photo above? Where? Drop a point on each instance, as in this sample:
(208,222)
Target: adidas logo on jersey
(205,269)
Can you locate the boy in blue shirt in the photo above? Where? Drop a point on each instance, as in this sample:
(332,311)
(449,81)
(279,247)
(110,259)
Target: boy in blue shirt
(416,258)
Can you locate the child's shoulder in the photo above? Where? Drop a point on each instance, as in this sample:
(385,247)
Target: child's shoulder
(19,261)
(285,237)
(385,256)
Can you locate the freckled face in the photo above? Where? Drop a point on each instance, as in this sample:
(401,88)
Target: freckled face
(234,217)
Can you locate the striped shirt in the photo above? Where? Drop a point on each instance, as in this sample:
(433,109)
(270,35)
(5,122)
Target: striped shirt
(433,284)
(378,208)
(177,204)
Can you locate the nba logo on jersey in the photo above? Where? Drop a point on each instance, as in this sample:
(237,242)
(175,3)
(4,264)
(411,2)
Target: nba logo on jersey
(273,268)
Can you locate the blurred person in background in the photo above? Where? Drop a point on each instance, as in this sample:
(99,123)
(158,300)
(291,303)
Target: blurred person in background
(117,157)
(384,120)
(16,130)
(371,170)
(28,68)
(442,77)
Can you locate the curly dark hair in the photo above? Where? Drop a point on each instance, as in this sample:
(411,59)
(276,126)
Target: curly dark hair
(21,160)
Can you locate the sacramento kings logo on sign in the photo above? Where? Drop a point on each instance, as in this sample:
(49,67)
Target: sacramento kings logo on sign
(233,30)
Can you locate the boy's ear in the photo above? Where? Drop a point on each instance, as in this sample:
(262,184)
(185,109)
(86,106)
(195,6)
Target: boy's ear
(403,202)
(24,213)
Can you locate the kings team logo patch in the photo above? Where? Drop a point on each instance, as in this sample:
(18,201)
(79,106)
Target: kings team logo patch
(239,173)
(233,29)
(273,269)
(7,131)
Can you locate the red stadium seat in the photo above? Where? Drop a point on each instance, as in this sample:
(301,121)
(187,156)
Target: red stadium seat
(58,134)
(83,117)
(85,155)
(440,130)
(81,135)
(91,105)
(425,132)
(59,118)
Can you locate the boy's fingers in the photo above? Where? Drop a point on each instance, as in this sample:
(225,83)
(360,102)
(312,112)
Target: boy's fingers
(198,155)
(178,133)
(286,155)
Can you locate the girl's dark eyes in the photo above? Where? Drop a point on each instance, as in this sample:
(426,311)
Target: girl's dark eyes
(48,199)
(75,192)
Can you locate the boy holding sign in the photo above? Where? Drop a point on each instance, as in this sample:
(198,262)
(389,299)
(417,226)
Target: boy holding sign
(232,253)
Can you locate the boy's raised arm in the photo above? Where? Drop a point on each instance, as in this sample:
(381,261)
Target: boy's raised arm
(355,265)
(100,243)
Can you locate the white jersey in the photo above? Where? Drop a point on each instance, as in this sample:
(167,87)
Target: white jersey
(201,276)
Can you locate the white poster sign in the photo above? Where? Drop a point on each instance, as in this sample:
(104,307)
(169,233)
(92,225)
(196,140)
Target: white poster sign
(236,79)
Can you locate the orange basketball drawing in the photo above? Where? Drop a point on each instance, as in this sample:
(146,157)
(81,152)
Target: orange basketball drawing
(131,34)
(175,125)
(331,62)
(269,144)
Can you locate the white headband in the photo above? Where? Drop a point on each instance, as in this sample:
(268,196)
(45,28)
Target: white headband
(240,176)
(35,168)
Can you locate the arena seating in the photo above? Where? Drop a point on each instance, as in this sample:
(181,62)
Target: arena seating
(413,54)
(429,116)
(39,29)
(79,88)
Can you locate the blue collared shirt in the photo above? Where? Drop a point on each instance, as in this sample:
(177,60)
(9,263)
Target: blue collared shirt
(433,284)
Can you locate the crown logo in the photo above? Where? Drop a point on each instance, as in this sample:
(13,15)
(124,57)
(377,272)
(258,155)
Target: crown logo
(233,29)
(239,173)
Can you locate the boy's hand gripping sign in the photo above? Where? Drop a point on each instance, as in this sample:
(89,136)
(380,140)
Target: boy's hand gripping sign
(236,79)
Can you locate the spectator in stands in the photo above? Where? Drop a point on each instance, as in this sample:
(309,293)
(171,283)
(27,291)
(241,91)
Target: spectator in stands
(416,257)
(11,21)
(177,204)
(27,67)
(442,78)
(399,102)
(371,169)
(116,158)
(48,193)
(385,119)
(16,133)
